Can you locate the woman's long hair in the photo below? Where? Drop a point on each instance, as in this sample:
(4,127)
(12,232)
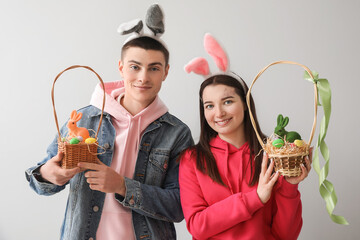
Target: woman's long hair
(205,161)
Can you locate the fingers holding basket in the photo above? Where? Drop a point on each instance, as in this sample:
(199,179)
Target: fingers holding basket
(305,169)
(267,179)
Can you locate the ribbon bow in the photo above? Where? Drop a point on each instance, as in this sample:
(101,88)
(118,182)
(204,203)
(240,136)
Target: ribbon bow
(326,188)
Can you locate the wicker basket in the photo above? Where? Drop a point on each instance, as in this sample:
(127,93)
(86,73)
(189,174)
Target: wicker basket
(288,164)
(81,152)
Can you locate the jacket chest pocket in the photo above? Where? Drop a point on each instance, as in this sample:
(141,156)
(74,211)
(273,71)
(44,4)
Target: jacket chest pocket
(157,167)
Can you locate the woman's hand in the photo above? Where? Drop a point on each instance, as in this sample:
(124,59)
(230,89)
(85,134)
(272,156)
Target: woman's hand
(103,178)
(304,170)
(266,180)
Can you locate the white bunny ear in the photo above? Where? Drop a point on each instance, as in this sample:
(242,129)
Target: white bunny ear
(135,25)
(199,66)
(155,20)
(216,51)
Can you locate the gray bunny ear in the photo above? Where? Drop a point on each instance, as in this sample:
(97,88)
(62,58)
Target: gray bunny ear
(155,19)
(135,25)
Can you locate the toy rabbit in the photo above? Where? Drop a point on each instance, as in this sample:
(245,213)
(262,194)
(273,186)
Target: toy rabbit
(281,132)
(75,131)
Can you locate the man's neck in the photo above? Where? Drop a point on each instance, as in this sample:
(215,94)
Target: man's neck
(133,107)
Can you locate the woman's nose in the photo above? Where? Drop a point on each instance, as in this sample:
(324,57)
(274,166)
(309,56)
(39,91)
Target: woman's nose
(219,111)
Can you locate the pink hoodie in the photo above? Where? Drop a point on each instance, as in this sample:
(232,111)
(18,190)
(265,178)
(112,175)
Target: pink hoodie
(116,220)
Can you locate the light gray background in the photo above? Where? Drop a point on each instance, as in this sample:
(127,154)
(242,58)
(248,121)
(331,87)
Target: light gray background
(40,38)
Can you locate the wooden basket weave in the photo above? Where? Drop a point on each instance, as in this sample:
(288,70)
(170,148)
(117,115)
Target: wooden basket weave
(81,152)
(287,164)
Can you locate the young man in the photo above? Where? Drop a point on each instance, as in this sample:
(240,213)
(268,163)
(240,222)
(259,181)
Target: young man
(133,191)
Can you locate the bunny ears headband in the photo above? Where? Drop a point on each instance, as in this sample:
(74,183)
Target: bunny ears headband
(200,65)
(154,21)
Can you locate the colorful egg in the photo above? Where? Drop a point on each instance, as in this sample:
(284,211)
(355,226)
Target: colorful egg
(80,138)
(74,141)
(90,140)
(278,143)
(299,143)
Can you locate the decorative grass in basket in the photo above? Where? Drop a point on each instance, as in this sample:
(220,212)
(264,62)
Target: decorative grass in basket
(78,146)
(288,150)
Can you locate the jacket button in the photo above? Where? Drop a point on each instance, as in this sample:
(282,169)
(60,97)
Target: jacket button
(106,146)
(95,208)
(131,201)
(91,238)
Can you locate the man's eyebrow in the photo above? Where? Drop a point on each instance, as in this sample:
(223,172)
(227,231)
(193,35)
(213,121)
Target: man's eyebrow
(151,64)
(155,63)
(136,62)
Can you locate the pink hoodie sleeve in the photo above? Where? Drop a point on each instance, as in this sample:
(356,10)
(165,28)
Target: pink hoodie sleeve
(202,220)
(287,212)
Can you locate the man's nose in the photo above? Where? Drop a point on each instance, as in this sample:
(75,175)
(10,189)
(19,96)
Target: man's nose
(143,76)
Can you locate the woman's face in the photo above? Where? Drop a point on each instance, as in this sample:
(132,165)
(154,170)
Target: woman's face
(224,111)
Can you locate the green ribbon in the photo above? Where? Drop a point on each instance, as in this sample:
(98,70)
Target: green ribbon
(326,188)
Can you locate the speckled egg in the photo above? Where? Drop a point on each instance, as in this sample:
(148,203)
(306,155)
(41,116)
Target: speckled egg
(74,141)
(278,143)
(80,138)
(90,140)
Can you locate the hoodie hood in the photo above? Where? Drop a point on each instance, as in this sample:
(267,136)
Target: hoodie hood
(112,106)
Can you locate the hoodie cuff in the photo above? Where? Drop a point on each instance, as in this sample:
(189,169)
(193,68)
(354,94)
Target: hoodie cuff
(253,201)
(287,189)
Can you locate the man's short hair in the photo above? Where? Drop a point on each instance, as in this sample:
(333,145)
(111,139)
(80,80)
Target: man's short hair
(146,43)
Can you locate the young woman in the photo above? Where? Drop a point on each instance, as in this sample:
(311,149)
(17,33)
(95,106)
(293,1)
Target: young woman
(226,190)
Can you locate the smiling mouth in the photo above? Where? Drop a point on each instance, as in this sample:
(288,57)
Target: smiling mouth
(222,122)
(142,87)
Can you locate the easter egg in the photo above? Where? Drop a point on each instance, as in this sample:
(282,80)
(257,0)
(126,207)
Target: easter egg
(299,143)
(74,141)
(278,143)
(90,140)
(80,138)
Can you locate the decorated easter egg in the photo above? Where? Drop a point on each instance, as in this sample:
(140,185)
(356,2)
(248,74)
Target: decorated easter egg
(299,143)
(80,138)
(74,141)
(278,143)
(90,140)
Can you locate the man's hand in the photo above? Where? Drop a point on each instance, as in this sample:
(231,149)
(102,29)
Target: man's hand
(52,172)
(103,178)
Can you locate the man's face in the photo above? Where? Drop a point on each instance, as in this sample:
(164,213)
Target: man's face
(143,72)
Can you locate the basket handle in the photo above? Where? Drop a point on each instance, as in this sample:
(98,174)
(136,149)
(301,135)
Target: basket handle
(53,102)
(315,100)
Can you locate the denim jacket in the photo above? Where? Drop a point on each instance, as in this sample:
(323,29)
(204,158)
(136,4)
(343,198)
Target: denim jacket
(153,193)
